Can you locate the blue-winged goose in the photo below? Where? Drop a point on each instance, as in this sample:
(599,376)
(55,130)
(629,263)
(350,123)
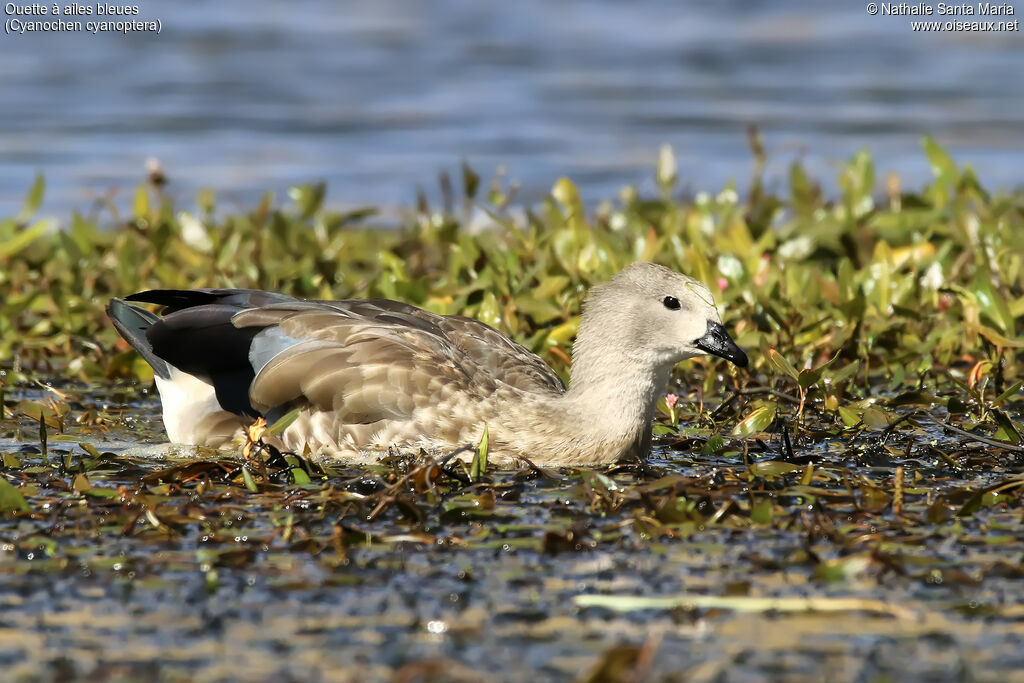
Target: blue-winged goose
(369,374)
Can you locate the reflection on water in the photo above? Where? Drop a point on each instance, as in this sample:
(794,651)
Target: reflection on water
(245,96)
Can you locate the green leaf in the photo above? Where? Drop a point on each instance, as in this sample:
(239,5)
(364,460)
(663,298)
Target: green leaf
(542,311)
(250,481)
(808,378)
(479,465)
(282,423)
(102,493)
(550,287)
(914,398)
(470,181)
(489,311)
(714,444)
(779,362)
(943,166)
(981,497)
(21,240)
(603,479)
(1009,393)
(849,416)
(872,498)
(844,373)
(773,468)
(762,511)
(995,337)
(756,422)
(34,199)
(1007,430)
(938,512)
(308,198)
(875,417)
(11,499)
(993,303)
(140,207)
(956,405)
(566,194)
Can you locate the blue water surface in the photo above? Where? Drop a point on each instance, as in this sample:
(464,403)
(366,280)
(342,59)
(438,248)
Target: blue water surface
(376,96)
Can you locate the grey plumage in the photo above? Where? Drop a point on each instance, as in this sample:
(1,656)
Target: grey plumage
(369,374)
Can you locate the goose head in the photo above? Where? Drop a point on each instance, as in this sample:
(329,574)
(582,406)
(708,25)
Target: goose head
(654,317)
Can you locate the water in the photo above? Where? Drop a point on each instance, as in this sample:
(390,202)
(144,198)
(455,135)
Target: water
(171,569)
(249,95)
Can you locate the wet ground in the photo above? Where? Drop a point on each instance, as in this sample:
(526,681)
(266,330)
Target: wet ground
(860,554)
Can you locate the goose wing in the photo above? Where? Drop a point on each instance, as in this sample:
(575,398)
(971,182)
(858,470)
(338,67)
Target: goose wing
(375,358)
(364,360)
(361,361)
(501,357)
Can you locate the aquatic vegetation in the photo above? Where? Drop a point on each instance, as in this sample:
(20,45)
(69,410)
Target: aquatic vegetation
(864,476)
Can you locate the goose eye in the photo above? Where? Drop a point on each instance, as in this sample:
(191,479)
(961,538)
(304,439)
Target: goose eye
(671,303)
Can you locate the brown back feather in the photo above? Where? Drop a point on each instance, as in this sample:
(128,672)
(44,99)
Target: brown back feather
(378,360)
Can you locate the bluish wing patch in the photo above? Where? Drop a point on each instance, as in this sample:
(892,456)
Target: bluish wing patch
(267,344)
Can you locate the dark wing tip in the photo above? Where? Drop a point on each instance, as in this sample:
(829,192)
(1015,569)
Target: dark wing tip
(132,323)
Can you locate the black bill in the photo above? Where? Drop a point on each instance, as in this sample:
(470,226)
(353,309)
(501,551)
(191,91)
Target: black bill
(717,342)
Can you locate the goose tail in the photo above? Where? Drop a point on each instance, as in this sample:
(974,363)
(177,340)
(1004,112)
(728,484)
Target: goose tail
(132,322)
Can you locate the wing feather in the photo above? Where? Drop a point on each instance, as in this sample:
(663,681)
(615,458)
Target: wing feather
(365,361)
(501,357)
(362,370)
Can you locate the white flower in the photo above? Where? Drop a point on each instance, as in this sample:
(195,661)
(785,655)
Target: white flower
(194,233)
(932,278)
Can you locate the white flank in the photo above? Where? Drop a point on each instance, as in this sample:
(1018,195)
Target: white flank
(187,401)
